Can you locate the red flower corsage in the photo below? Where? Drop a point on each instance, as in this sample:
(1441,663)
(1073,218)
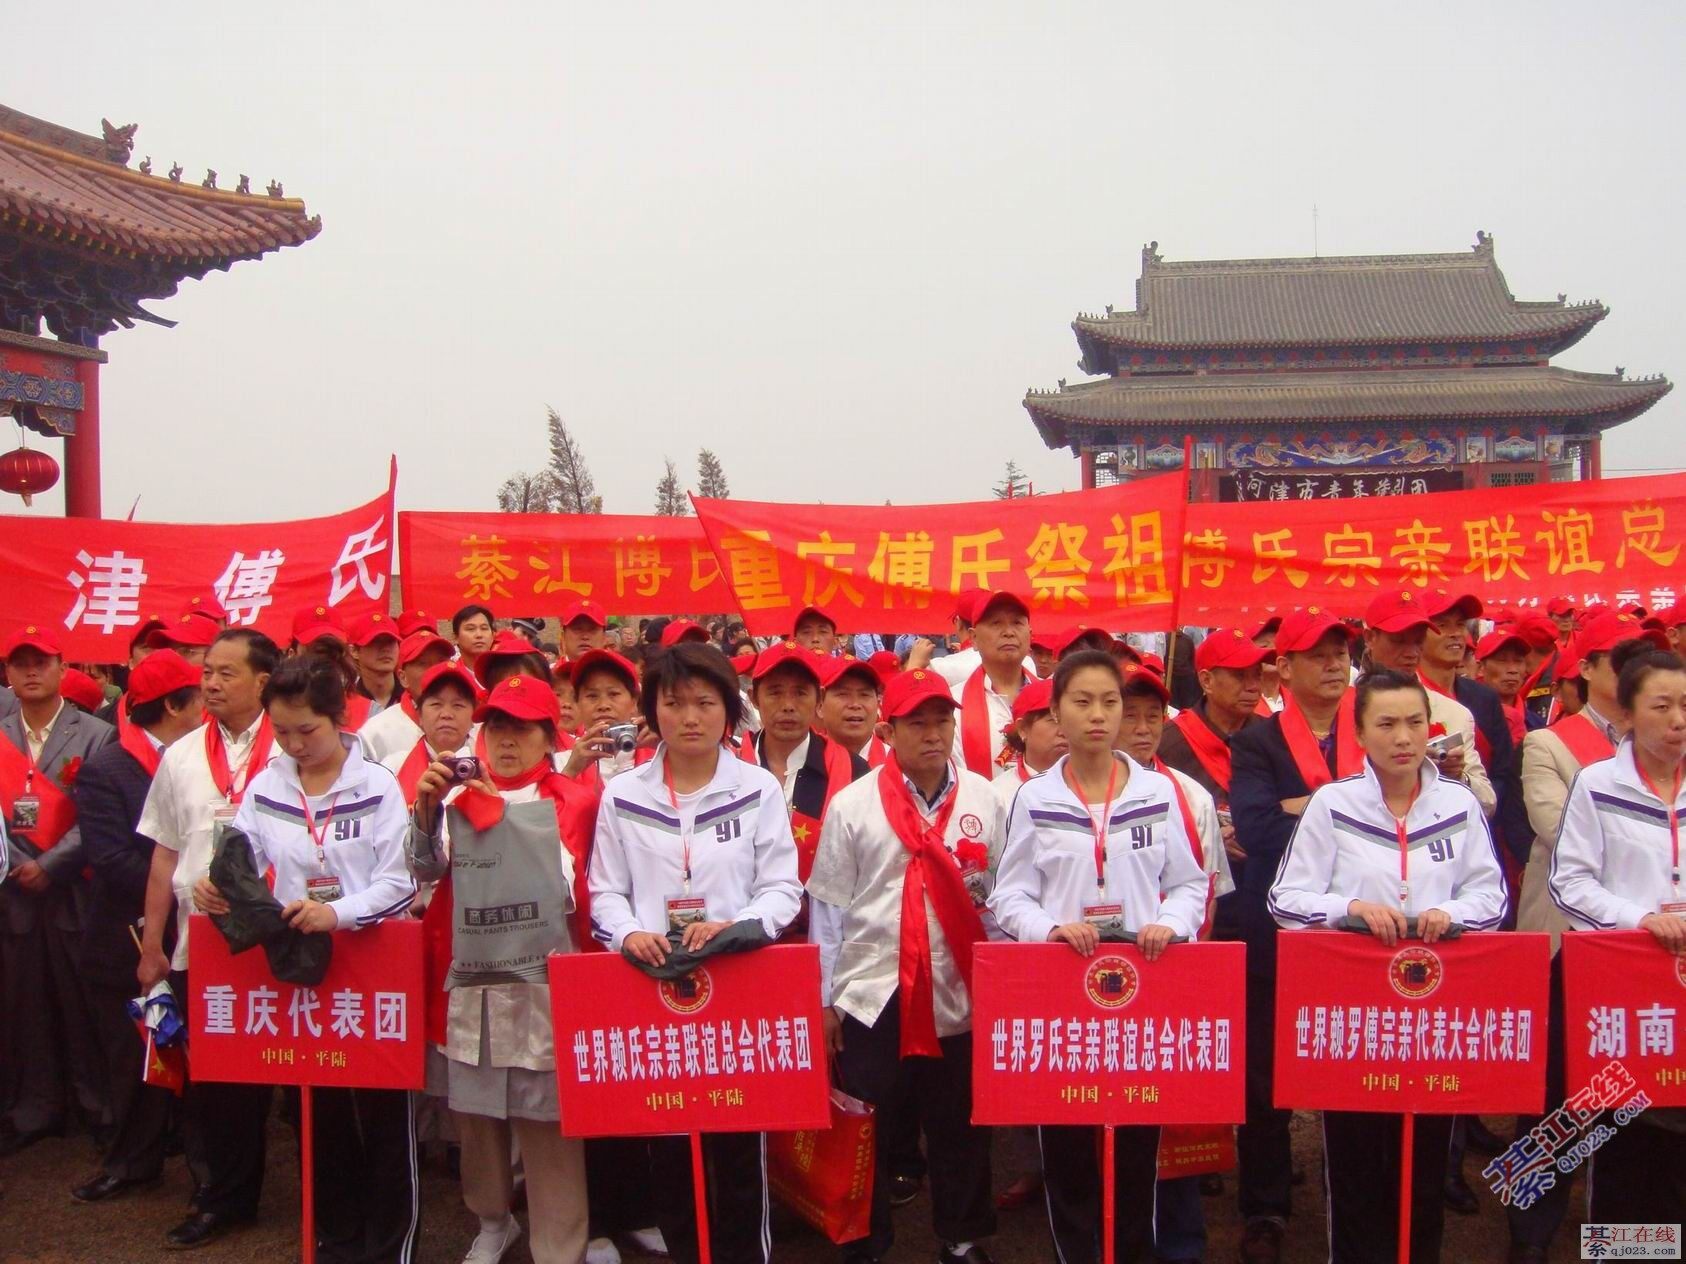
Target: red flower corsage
(972,854)
(1437,729)
(68,771)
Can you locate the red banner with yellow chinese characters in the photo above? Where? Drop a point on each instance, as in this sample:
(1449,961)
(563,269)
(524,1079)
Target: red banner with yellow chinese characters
(1077,557)
(361,1027)
(1455,1027)
(1108,1039)
(1613,540)
(91,582)
(536,564)
(1622,998)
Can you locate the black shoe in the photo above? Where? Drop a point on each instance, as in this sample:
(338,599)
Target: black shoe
(1261,1243)
(903,1190)
(198,1197)
(104,1186)
(973,1254)
(1211,1185)
(15,1142)
(1459,1196)
(1482,1139)
(202,1228)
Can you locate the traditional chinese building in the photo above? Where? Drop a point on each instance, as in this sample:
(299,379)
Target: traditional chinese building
(84,241)
(1363,376)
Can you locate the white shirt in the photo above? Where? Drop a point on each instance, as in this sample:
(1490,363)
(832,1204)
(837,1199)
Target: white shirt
(37,738)
(1048,874)
(743,858)
(1346,848)
(181,811)
(1000,716)
(1214,859)
(1456,718)
(792,765)
(1614,860)
(389,732)
(361,820)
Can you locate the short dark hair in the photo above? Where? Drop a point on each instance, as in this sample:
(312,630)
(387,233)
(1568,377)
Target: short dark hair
(1636,662)
(502,666)
(468,612)
(1376,682)
(692,661)
(146,714)
(262,654)
(1073,663)
(312,681)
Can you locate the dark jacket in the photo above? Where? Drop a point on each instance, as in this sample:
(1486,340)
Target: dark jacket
(1504,769)
(811,781)
(110,793)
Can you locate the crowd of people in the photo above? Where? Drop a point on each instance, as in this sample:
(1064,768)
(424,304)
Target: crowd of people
(666,785)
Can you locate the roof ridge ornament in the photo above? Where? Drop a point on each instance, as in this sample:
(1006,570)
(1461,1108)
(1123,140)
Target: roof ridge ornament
(119,141)
(1483,242)
(275,189)
(1151,255)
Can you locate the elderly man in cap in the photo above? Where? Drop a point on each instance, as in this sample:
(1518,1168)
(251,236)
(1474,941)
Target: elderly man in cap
(189,634)
(1000,623)
(52,1068)
(395,730)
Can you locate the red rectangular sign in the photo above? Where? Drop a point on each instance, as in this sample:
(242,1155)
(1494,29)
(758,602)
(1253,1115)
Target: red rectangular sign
(735,1046)
(1622,997)
(1450,1028)
(361,1027)
(1108,1039)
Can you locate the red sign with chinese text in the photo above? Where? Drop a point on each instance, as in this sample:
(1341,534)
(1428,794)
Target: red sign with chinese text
(1104,556)
(1449,1028)
(361,1027)
(1108,1039)
(539,563)
(1622,998)
(735,1046)
(92,582)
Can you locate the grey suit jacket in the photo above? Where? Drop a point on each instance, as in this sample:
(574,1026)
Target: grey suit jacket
(76,735)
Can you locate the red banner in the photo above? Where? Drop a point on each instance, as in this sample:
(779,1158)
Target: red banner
(1622,997)
(538,563)
(361,1027)
(1105,557)
(1457,1027)
(1108,1039)
(735,1046)
(1613,540)
(92,581)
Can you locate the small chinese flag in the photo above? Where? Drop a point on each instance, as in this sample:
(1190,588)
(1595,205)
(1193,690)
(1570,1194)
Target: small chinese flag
(163,1068)
(806,831)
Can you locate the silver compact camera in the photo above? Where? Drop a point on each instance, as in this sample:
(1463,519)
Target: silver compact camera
(623,738)
(463,767)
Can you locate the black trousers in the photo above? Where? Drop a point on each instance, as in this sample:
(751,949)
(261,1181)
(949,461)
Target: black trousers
(368,1185)
(872,1068)
(617,1185)
(1264,1148)
(1638,1175)
(225,1134)
(1361,1166)
(739,1218)
(1537,1223)
(141,1113)
(1071,1176)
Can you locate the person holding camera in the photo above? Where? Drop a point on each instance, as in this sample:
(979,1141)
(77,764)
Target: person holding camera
(1402,848)
(612,736)
(331,826)
(520,832)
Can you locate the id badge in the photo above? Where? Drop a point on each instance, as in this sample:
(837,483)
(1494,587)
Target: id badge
(977,884)
(1676,907)
(1105,917)
(26,812)
(222,817)
(683,910)
(324,889)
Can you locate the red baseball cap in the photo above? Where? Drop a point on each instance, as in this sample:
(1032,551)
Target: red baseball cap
(1499,639)
(311,623)
(1265,627)
(808,610)
(1559,606)
(616,663)
(588,610)
(1138,676)
(523,698)
(909,690)
(161,673)
(369,628)
(834,669)
(885,664)
(683,630)
(1633,608)
(778,654)
(82,689)
(973,604)
(191,627)
(1152,662)
(412,621)
(145,628)
(1536,629)
(451,670)
(1440,601)
(1303,629)
(420,642)
(1038,695)
(1063,642)
(1228,647)
(741,663)
(1610,629)
(35,637)
(1397,610)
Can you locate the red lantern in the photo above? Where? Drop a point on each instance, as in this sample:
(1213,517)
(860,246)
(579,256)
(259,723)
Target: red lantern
(26,471)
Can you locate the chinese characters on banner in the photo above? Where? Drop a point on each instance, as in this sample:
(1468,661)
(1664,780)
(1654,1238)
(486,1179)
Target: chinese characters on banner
(361,1027)
(539,563)
(94,581)
(735,1046)
(1435,1029)
(1623,994)
(1105,556)
(1108,1039)
(1315,484)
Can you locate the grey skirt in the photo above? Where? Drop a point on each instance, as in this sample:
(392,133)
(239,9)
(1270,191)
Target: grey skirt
(497,1092)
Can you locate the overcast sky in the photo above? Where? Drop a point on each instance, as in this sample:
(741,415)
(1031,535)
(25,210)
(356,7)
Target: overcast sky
(835,243)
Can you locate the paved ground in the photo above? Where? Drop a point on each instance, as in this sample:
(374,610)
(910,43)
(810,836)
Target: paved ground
(40,1222)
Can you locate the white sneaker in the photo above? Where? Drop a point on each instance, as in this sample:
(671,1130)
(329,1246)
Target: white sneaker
(602,1251)
(490,1246)
(649,1241)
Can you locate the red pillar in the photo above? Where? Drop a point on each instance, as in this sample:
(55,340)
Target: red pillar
(1087,457)
(1595,450)
(82,449)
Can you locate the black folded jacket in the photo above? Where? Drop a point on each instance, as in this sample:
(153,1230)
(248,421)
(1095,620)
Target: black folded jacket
(254,917)
(744,936)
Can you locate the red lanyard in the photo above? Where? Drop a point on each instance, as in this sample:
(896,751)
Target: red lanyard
(1100,827)
(1405,848)
(318,836)
(684,834)
(1673,821)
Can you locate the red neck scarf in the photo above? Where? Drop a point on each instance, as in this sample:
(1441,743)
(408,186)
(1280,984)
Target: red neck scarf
(1586,742)
(1516,716)
(407,705)
(931,870)
(1189,827)
(132,738)
(876,752)
(216,754)
(976,744)
(1308,755)
(356,712)
(20,776)
(1209,745)
(410,771)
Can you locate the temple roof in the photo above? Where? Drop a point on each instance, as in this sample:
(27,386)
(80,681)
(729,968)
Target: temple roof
(78,192)
(1365,300)
(1418,395)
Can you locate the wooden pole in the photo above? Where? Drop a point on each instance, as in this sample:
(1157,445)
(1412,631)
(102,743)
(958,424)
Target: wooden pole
(1109,1194)
(699,1189)
(307,1179)
(1176,546)
(1407,1143)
